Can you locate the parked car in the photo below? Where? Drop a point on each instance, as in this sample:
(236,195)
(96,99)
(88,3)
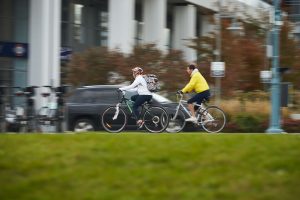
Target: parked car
(85,106)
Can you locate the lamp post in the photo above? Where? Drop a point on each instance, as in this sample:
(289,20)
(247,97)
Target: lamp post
(218,53)
(274,126)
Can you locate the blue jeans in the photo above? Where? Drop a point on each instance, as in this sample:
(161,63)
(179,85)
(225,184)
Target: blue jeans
(138,101)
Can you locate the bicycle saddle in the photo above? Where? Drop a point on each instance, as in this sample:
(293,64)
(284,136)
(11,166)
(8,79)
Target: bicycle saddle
(148,102)
(205,100)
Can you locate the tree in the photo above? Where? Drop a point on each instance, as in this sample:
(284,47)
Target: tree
(289,55)
(93,66)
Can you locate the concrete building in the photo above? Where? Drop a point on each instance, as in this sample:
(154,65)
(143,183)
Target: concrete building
(36,35)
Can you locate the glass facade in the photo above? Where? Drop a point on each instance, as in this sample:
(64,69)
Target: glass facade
(14,29)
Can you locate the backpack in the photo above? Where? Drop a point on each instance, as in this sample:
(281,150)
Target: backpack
(152,82)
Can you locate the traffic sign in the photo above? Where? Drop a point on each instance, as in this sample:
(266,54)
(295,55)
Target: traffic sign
(217,69)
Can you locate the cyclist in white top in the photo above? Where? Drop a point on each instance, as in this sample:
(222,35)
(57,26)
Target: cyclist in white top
(140,85)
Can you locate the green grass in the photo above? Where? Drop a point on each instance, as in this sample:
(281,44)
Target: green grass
(149,166)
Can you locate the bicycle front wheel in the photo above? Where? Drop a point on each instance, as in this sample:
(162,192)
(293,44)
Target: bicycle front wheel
(176,124)
(156,119)
(114,121)
(213,119)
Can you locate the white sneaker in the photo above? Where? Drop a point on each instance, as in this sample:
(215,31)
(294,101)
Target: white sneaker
(191,119)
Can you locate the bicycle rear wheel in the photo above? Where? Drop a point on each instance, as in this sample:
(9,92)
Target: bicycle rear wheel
(156,119)
(176,125)
(111,124)
(213,119)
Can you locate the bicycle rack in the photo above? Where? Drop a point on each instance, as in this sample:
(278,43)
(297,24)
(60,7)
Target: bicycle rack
(2,109)
(27,120)
(55,119)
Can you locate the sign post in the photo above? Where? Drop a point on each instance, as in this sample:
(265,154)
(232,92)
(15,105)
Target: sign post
(217,71)
(274,126)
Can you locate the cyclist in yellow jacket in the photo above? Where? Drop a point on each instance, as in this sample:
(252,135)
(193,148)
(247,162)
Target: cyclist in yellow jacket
(197,84)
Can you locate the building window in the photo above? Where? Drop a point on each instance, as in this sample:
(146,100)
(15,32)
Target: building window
(84,24)
(77,22)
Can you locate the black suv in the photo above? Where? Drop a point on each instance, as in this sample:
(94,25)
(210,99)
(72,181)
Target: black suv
(85,106)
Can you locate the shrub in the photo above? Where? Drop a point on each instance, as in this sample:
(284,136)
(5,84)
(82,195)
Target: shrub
(291,125)
(245,122)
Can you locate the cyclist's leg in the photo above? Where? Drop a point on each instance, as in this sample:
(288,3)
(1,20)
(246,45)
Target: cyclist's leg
(191,107)
(198,98)
(201,96)
(134,97)
(140,99)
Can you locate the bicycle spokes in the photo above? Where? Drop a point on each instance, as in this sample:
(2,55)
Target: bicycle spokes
(177,122)
(156,119)
(213,119)
(114,119)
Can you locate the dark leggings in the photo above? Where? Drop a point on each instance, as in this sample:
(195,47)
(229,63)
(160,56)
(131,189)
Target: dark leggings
(138,101)
(199,97)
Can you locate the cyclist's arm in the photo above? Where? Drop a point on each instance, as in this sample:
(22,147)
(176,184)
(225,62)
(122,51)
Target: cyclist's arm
(190,86)
(135,83)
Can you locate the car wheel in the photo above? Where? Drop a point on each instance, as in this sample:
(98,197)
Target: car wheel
(84,125)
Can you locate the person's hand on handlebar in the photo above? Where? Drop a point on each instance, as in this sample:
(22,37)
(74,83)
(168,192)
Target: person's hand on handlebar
(179,92)
(121,91)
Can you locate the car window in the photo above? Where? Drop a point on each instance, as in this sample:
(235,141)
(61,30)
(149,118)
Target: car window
(94,96)
(77,96)
(129,94)
(105,96)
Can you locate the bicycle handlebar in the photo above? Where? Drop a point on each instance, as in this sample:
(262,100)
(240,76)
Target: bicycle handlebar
(27,91)
(121,94)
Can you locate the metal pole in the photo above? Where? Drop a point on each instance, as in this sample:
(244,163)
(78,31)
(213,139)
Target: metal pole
(275,81)
(218,54)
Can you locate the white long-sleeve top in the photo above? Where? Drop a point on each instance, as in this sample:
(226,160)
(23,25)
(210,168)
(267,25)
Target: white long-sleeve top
(139,84)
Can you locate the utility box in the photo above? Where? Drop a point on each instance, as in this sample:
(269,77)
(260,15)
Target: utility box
(285,87)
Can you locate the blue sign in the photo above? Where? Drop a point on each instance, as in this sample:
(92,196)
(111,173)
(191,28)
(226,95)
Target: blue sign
(65,53)
(13,49)
(21,50)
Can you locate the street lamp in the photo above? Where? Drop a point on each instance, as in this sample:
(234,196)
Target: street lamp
(275,81)
(215,69)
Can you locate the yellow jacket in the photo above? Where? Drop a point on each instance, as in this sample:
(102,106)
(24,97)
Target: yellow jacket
(197,83)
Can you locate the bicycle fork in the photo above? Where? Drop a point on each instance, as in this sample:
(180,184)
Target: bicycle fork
(176,113)
(117,112)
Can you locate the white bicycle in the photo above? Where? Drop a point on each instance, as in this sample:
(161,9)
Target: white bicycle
(211,118)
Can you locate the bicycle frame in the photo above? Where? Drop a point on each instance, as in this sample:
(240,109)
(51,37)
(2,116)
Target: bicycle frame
(201,106)
(154,118)
(125,100)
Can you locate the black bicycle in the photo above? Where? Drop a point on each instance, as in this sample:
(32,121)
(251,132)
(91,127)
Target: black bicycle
(114,118)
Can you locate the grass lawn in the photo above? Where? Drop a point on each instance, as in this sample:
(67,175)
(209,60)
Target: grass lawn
(139,166)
